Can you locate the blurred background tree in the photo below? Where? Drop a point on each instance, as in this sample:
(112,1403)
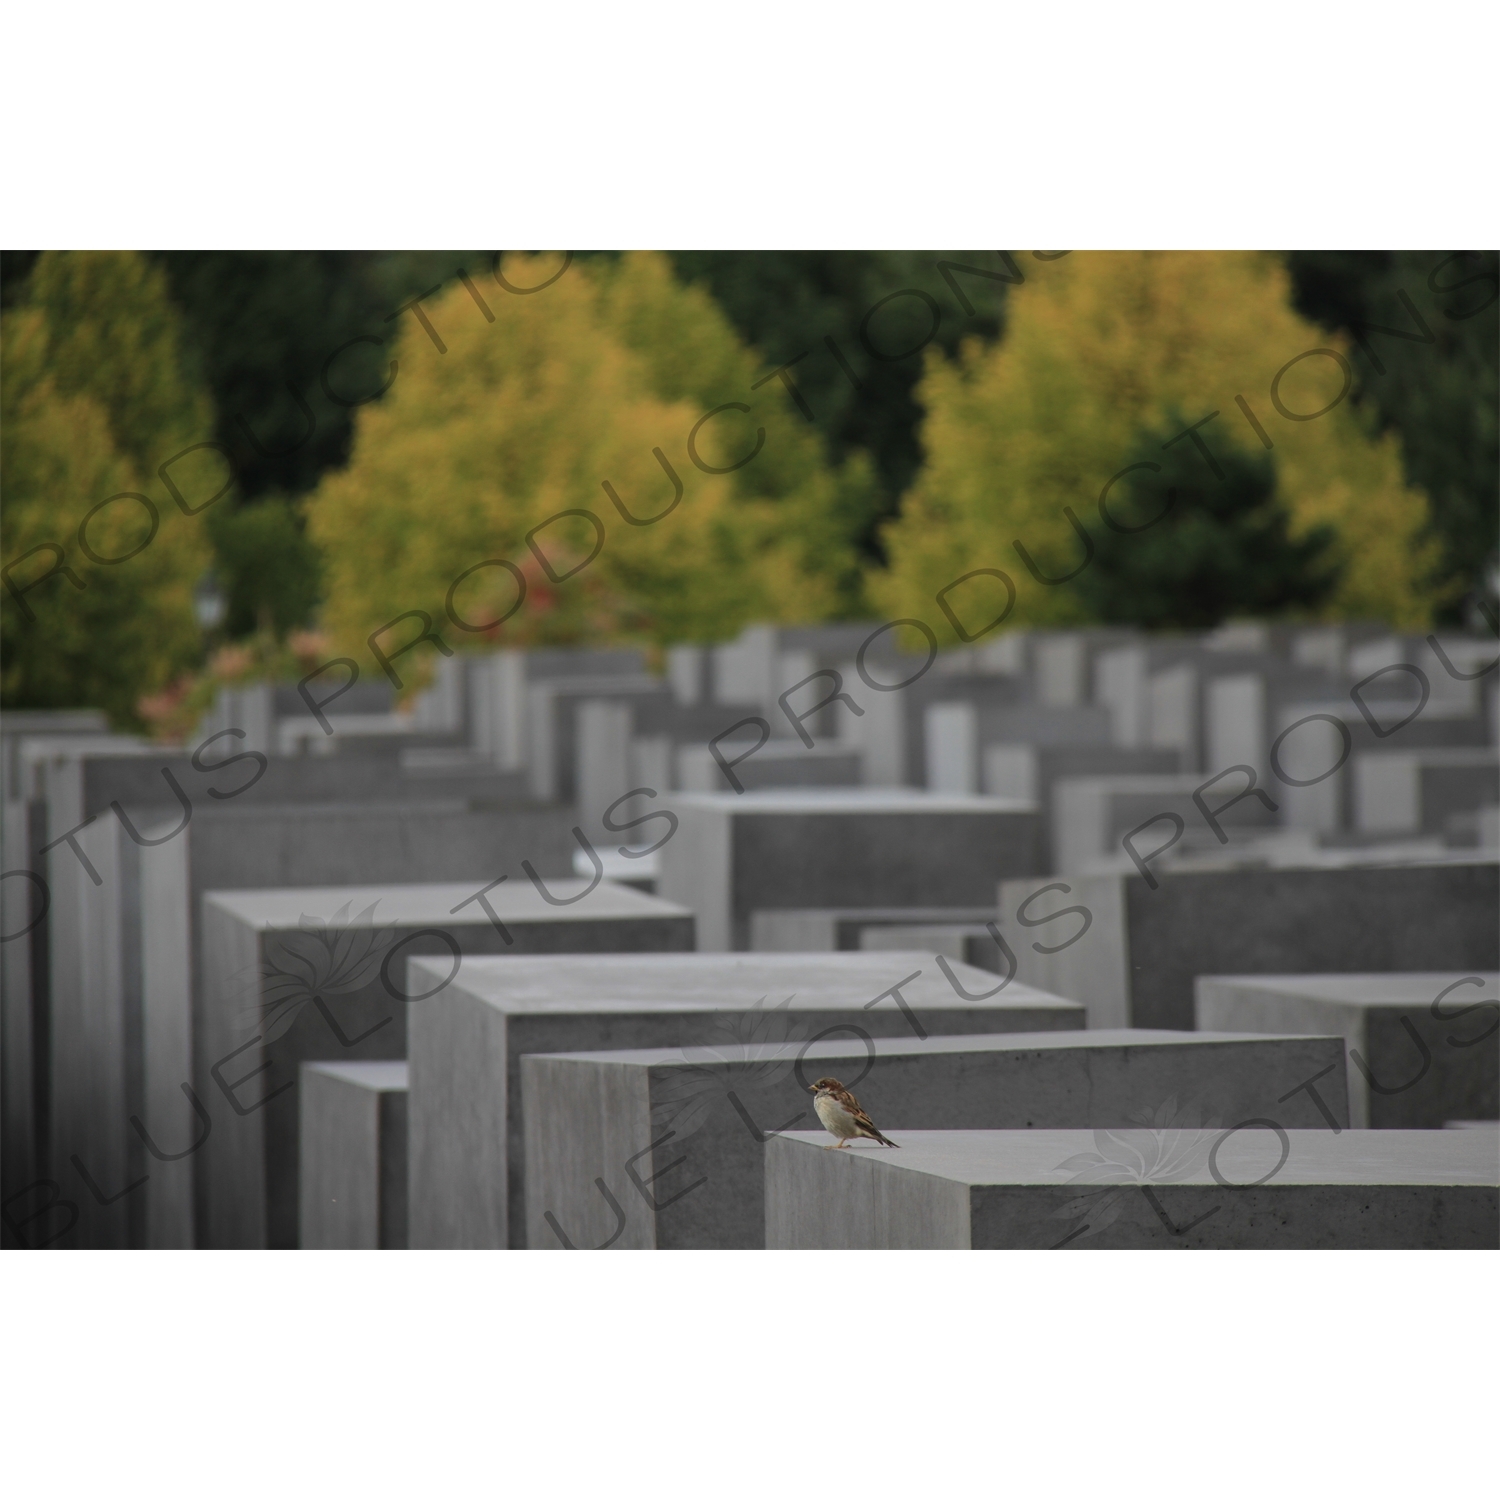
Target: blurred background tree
(1194,550)
(785,302)
(1098,349)
(1443,398)
(936,460)
(264,326)
(530,415)
(97,391)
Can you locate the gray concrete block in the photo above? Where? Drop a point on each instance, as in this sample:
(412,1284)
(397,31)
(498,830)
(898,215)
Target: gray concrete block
(23,964)
(17,724)
(1414,1061)
(1322,740)
(970,746)
(95,1043)
(1091,815)
(1418,791)
(294,976)
(677,1135)
(842,931)
(1033,773)
(1172,1188)
(778,763)
(764,851)
(353,1168)
(1131,953)
(969,942)
(552,726)
(468,1149)
(236,847)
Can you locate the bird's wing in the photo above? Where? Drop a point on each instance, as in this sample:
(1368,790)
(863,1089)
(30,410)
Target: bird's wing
(858,1115)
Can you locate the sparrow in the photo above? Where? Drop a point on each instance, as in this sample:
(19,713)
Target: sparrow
(841,1115)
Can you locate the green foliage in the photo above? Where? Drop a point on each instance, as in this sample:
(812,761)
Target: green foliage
(268,569)
(533,414)
(115,630)
(1442,398)
(787,302)
(691,353)
(1195,550)
(1098,348)
(264,327)
(263,321)
(114,335)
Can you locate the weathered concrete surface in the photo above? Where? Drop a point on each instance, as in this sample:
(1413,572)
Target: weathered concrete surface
(467,1128)
(972,942)
(1138,1189)
(125,951)
(677,1134)
(353,1143)
(1136,962)
(1415,1060)
(842,931)
(294,976)
(764,851)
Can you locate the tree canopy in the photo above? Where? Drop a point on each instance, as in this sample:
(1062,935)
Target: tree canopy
(1441,397)
(1022,437)
(558,402)
(1187,549)
(96,393)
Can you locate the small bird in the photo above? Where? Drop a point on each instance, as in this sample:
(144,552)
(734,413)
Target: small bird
(841,1115)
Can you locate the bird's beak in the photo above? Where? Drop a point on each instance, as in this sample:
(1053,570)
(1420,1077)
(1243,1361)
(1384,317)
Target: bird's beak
(812,1088)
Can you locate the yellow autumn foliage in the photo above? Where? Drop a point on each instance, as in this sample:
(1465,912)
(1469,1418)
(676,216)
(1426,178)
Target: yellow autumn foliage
(552,403)
(1097,347)
(92,397)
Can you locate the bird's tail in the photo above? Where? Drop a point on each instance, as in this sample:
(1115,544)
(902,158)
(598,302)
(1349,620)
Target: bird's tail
(883,1141)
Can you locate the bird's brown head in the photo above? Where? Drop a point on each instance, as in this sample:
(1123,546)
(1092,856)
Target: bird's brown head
(824,1083)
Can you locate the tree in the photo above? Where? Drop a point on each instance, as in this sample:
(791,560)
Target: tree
(786,303)
(274,332)
(1441,398)
(73,412)
(483,454)
(1099,347)
(1193,550)
(114,335)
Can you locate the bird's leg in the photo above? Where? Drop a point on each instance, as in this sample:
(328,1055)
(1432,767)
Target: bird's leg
(842,1144)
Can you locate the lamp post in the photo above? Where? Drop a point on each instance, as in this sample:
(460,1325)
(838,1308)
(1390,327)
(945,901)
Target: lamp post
(208,603)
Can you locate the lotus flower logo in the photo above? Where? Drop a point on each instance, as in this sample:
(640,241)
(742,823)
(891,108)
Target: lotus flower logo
(1173,1144)
(749,1056)
(318,960)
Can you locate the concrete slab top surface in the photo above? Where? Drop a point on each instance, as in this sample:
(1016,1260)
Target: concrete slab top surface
(891,916)
(900,1046)
(1405,990)
(381,905)
(381,1077)
(354,809)
(835,799)
(1045,1158)
(726,981)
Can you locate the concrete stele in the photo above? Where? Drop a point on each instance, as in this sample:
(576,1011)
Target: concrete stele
(734,855)
(1050,1189)
(696,1119)
(467,1130)
(1415,1061)
(353,1168)
(294,976)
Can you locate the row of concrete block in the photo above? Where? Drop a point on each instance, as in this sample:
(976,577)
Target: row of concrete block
(142,1006)
(513,1127)
(296,976)
(1008,718)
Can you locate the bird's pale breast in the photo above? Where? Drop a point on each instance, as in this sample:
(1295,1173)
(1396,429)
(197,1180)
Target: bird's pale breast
(834,1116)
